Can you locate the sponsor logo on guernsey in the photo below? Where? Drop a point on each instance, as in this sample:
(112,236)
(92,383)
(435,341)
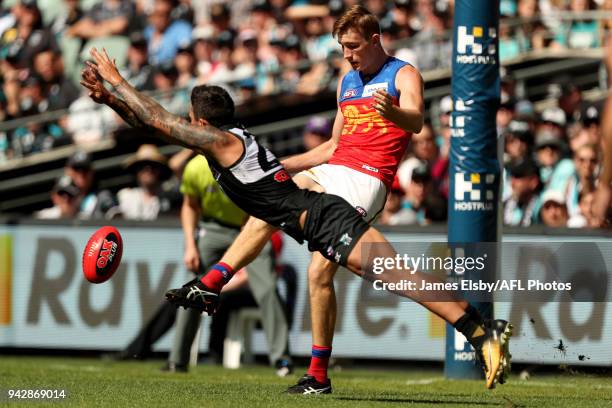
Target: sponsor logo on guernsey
(362,211)
(369,168)
(368,90)
(281,176)
(337,257)
(350,93)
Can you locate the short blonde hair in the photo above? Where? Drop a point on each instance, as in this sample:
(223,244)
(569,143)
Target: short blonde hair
(359,18)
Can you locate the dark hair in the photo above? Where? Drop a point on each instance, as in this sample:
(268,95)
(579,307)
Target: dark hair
(212,103)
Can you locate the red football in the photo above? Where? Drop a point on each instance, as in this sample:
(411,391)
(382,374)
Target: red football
(102,254)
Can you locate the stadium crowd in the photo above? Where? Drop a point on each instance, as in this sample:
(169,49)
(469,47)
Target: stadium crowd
(262,47)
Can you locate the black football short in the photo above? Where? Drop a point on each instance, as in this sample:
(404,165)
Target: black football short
(333,227)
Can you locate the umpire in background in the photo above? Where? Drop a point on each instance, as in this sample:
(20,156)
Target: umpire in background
(211,222)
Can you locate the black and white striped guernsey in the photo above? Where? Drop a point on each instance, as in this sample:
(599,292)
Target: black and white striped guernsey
(258,184)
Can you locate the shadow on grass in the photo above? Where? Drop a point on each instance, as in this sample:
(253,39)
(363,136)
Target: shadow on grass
(418,400)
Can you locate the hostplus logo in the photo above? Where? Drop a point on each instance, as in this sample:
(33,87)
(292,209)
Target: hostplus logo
(473,194)
(474,47)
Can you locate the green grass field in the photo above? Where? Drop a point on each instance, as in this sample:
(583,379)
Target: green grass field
(91,382)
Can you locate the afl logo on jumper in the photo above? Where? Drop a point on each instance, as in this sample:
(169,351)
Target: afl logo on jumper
(350,93)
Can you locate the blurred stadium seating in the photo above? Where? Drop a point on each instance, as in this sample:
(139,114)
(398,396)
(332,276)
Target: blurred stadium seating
(269,58)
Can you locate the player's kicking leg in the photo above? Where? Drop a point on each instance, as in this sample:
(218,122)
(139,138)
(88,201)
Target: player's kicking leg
(203,294)
(490,338)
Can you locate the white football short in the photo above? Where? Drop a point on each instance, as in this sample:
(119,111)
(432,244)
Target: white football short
(366,193)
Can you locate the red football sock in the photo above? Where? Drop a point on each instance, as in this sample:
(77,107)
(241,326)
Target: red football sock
(218,276)
(319,362)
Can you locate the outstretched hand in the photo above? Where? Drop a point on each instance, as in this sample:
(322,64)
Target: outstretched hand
(105,67)
(91,81)
(383,104)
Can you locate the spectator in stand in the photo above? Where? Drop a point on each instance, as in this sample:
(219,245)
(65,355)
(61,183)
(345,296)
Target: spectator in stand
(424,152)
(432,48)
(65,200)
(204,47)
(443,128)
(247,90)
(319,42)
(12,78)
(164,80)
(222,69)
(549,10)
(518,141)
(509,45)
(220,18)
(163,35)
(532,33)
(378,8)
(89,122)
(554,121)
(185,67)
(578,32)
(508,86)
(525,111)
(436,209)
(414,203)
(289,55)
(244,56)
(555,170)
(553,212)
(137,70)
(316,132)
(569,96)
(389,36)
(586,162)
(589,118)
(93,203)
(183,11)
(35,136)
(584,217)
(521,208)
(104,19)
(261,17)
(28,37)
(392,213)
(505,113)
(149,200)
(70,14)
(59,90)
(404,15)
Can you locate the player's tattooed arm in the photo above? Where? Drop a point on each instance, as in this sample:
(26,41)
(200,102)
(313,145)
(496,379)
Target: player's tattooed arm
(172,128)
(99,94)
(126,113)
